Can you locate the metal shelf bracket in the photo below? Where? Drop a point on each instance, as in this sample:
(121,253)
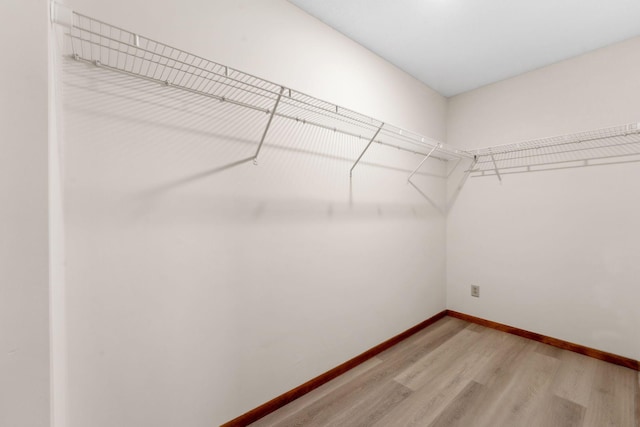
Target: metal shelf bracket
(266,129)
(495,167)
(373,138)
(422,162)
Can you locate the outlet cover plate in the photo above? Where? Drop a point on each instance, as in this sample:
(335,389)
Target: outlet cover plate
(475,291)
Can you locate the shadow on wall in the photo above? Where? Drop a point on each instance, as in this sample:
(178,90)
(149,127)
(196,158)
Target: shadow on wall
(458,176)
(141,142)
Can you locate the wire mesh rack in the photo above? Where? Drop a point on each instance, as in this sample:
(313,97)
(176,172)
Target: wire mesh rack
(602,146)
(116,49)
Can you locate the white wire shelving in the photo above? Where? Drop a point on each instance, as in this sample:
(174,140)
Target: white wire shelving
(116,49)
(618,144)
(122,51)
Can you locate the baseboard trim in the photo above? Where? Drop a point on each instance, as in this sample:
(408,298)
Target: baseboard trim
(278,402)
(565,345)
(285,398)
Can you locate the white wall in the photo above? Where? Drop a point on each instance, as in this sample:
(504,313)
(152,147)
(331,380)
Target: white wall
(24,327)
(193,293)
(554,252)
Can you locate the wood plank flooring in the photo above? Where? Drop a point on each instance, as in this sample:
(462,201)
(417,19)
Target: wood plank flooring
(455,373)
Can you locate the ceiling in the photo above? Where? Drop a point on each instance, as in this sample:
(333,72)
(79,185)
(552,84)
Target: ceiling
(457,45)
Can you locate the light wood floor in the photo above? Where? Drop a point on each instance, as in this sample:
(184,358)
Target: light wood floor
(454,373)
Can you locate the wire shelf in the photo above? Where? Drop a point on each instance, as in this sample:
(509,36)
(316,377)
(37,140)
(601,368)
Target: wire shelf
(126,52)
(602,146)
(116,49)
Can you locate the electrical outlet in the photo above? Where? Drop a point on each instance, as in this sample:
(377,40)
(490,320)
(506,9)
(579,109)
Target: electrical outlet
(475,291)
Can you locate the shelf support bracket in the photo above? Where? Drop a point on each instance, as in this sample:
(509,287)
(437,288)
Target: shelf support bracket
(266,129)
(365,149)
(495,167)
(422,162)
